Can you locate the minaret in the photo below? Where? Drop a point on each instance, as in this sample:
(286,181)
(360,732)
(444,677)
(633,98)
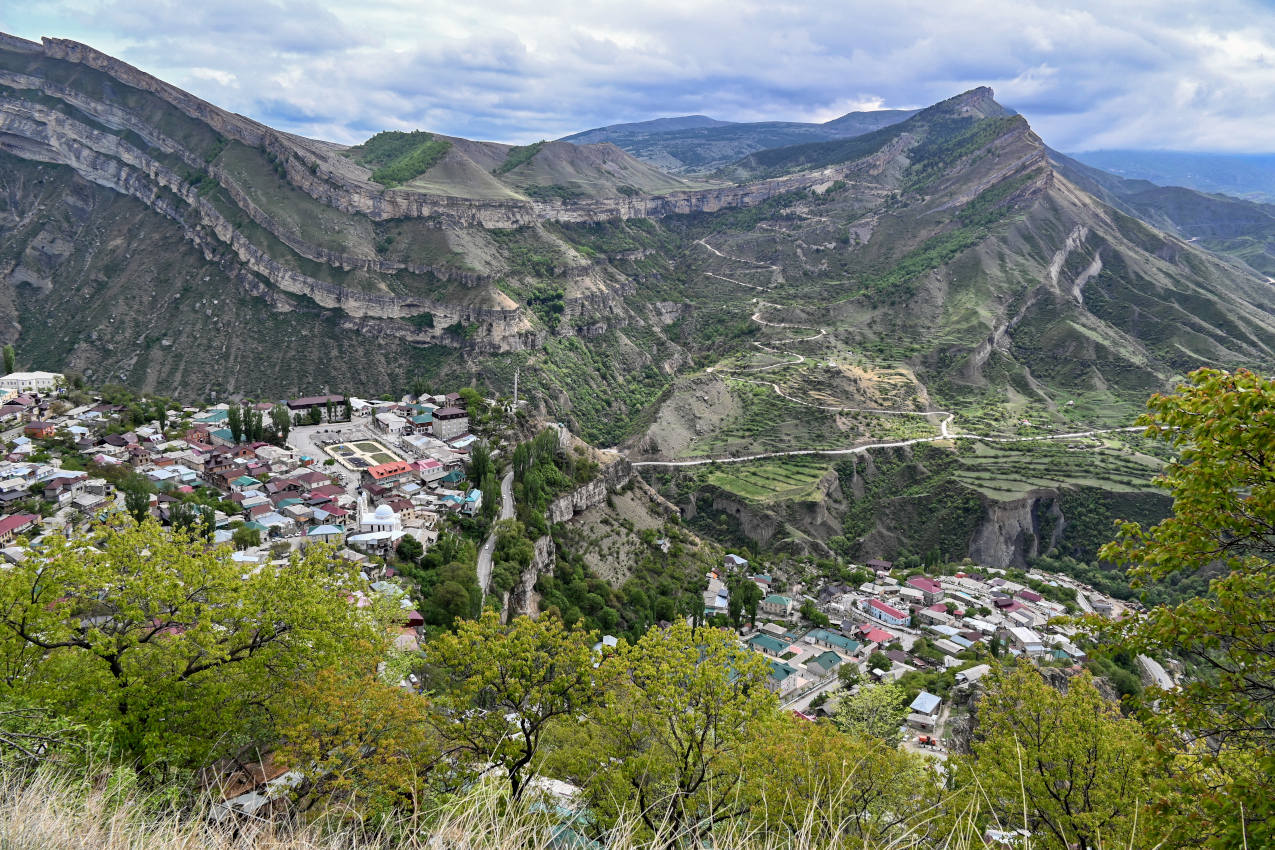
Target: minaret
(516,390)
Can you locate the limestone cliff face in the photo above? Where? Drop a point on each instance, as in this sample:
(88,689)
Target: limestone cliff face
(1010,532)
(522,600)
(123,141)
(610,478)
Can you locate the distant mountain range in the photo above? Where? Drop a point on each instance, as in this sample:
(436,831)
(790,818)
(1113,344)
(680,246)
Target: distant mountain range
(696,143)
(1247,176)
(763,298)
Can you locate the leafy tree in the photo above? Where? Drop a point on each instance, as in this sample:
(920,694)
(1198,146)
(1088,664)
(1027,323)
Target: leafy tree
(1222,426)
(409,549)
(245,538)
(750,597)
(878,660)
(234,421)
(10,360)
(167,645)
(874,711)
(349,408)
(1081,773)
(849,675)
(491,497)
(331,411)
(252,425)
(499,689)
(137,501)
(359,743)
(814,615)
(282,421)
(672,737)
(823,788)
(479,463)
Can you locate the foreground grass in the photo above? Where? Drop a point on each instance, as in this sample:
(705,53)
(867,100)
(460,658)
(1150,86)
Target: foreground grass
(48,810)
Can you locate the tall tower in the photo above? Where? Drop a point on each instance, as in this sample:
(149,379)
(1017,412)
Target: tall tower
(516,390)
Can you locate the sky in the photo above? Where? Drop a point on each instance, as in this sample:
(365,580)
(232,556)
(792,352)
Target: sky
(1168,75)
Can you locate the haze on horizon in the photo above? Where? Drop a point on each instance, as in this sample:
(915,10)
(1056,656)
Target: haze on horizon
(1168,75)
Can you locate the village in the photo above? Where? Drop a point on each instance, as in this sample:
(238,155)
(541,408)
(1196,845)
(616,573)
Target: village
(936,635)
(357,474)
(363,474)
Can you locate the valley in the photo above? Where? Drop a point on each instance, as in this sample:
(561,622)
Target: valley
(760,330)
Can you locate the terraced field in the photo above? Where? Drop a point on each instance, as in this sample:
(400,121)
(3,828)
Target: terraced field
(1007,471)
(780,479)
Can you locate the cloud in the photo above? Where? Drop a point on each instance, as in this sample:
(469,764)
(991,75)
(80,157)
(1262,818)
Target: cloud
(1145,73)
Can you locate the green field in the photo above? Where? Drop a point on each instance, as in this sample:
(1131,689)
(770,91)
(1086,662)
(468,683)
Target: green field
(1007,471)
(771,480)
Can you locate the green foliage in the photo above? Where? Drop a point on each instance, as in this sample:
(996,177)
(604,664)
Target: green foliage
(1082,774)
(1222,426)
(518,155)
(490,679)
(167,643)
(398,157)
(556,192)
(673,732)
(10,359)
(874,711)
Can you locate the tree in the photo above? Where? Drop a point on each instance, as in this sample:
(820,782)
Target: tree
(874,711)
(282,421)
(252,424)
(1222,427)
(479,463)
(234,421)
(169,646)
(359,743)
(878,660)
(499,689)
(349,409)
(823,788)
(491,497)
(750,598)
(10,360)
(848,675)
(137,501)
(245,537)
(331,411)
(672,737)
(409,549)
(1081,773)
(814,615)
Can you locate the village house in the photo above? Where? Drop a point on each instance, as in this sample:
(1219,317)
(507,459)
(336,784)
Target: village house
(924,710)
(930,589)
(450,422)
(40,430)
(777,605)
(16,524)
(878,610)
(39,382)
(387,474)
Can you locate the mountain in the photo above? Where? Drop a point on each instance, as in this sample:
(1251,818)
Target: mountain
(944,274)
(697,144)
(1247,176)
(1225,224)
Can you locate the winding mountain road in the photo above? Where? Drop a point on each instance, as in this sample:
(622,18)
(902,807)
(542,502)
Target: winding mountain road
(945,424)
(489,545)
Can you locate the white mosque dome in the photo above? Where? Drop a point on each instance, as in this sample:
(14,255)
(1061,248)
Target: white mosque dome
(384,513)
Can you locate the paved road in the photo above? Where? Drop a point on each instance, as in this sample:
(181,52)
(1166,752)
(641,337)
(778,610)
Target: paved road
(945,425)
(489,546)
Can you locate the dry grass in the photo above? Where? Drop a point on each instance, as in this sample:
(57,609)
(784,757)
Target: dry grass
(45,811)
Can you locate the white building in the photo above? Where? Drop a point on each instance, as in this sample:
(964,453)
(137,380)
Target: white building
(41,382)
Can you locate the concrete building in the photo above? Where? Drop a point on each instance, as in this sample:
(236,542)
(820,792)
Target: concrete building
(450,422)
(40,382)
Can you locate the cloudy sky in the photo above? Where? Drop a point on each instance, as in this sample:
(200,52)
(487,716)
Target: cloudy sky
(1130,73)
